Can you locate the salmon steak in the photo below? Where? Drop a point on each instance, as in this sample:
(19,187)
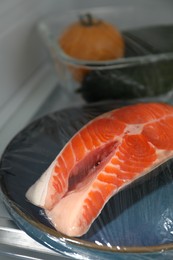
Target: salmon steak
(104,156)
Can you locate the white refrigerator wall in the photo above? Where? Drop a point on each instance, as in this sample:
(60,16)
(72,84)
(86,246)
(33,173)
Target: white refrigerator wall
(21,53)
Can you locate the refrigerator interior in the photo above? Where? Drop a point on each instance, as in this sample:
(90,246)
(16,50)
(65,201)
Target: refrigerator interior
(29,86)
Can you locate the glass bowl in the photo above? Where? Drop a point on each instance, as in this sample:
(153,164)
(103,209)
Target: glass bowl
(144,71)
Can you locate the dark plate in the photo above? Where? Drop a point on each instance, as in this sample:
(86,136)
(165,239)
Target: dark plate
(138,220)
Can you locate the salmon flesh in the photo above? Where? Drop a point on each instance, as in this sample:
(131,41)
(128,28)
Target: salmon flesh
(104,156)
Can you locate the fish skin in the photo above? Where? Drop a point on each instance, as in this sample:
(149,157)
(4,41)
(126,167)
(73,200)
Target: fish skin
(114,149)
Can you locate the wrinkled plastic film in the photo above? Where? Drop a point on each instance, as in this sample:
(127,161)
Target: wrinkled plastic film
(138,221)
(148,74)
(145,70)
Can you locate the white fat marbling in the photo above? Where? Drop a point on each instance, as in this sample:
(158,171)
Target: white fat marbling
(37,192)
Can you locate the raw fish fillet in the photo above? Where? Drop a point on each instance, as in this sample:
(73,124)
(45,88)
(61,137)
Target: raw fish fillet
(108,153)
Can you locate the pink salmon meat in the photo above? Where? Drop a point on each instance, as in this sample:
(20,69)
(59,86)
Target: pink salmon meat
(104,156)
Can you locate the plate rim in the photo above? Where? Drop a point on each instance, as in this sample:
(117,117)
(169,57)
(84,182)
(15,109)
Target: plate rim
(73,240)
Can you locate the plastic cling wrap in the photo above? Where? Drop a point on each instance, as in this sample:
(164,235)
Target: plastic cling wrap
(146,72)
(137,223)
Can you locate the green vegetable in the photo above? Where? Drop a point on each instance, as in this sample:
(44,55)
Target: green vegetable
(140,80)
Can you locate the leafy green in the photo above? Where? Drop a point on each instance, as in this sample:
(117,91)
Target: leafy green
(141,79)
